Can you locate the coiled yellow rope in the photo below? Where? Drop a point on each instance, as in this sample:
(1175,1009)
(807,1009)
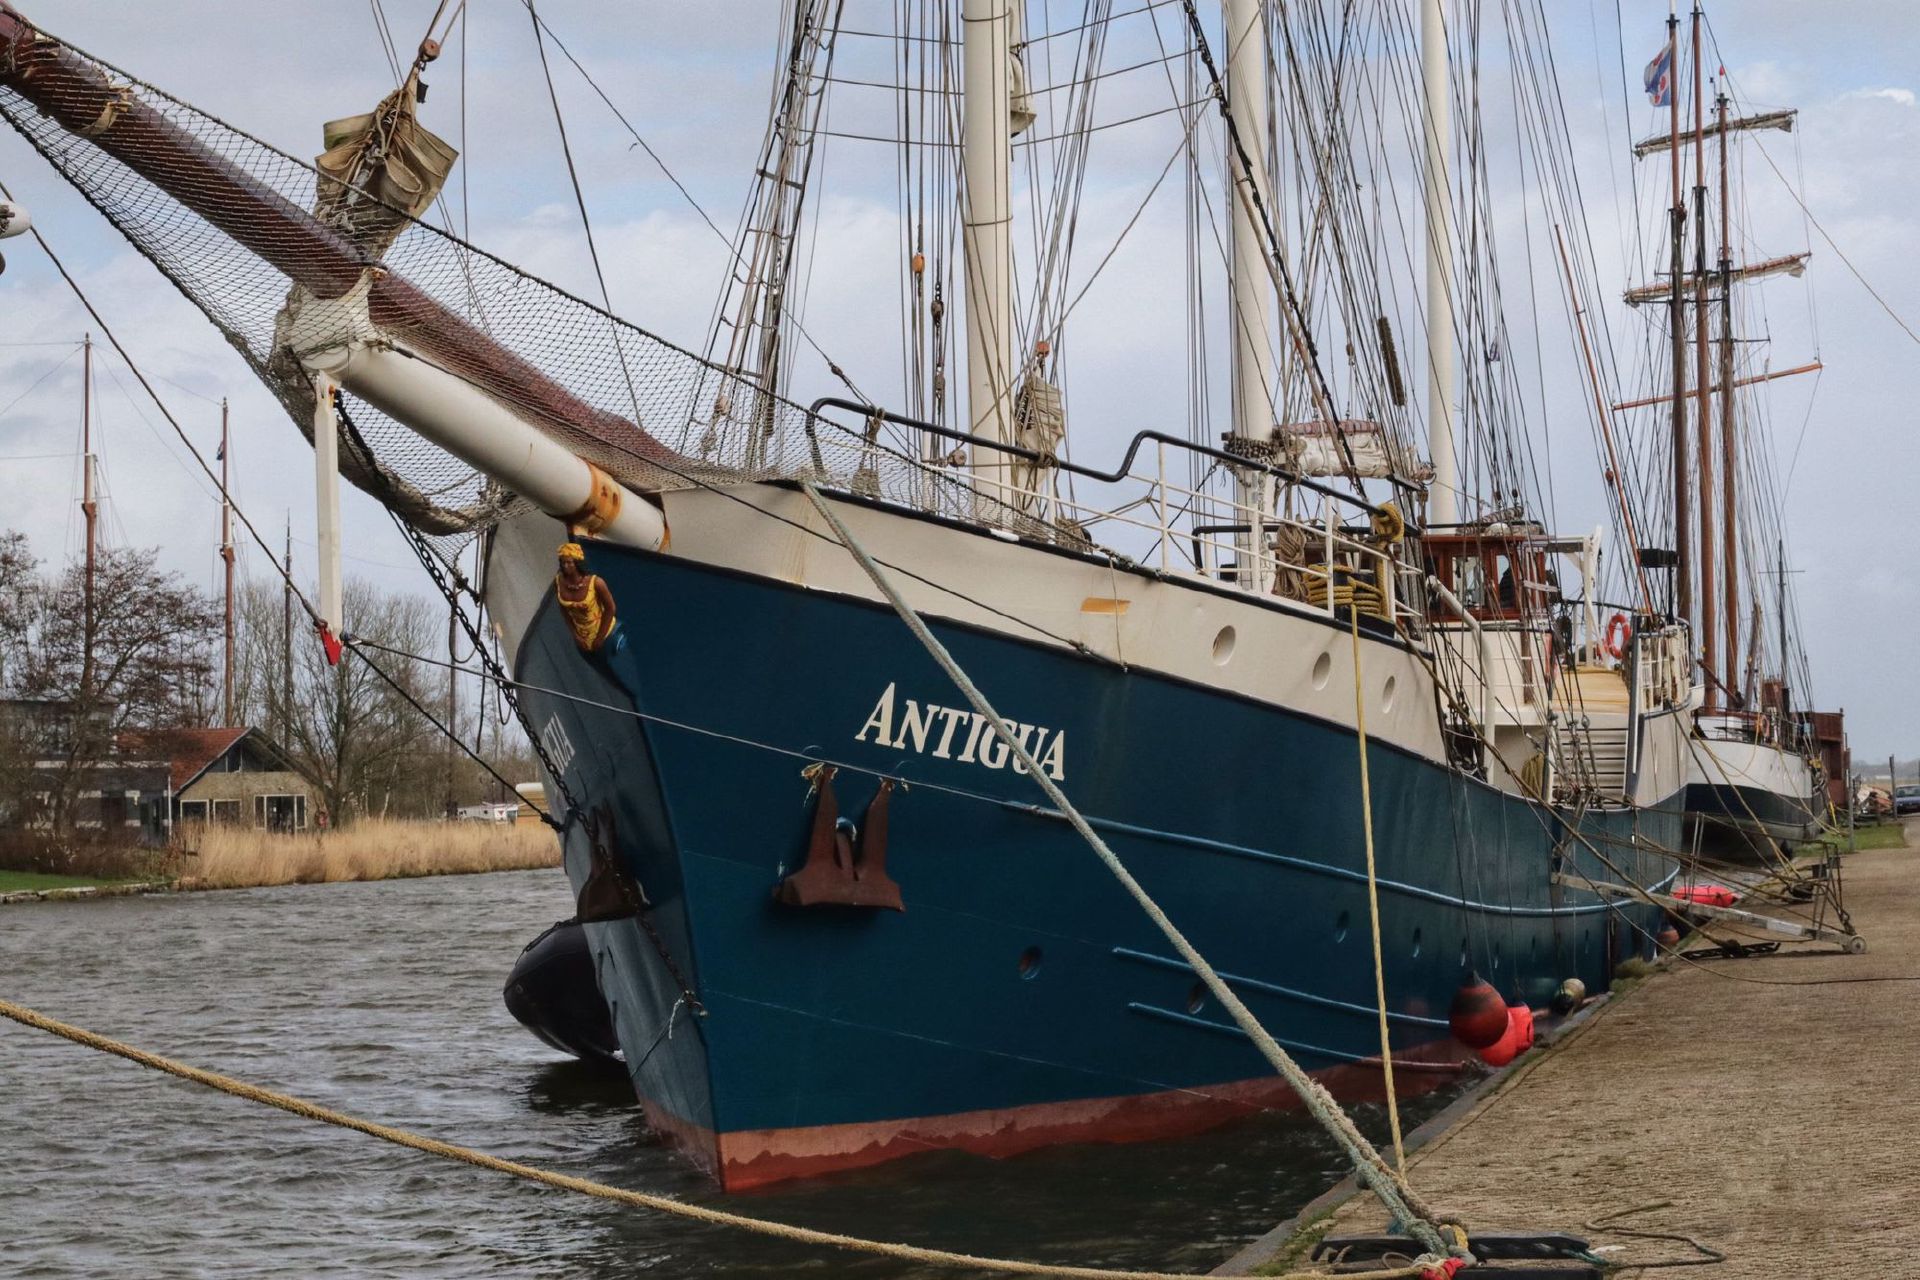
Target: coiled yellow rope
(585,1186)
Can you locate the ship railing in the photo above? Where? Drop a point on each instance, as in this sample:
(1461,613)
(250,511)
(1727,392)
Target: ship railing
(1320,561)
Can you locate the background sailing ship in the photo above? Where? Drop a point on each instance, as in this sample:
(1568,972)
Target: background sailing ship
(1324,627)
(1755,766)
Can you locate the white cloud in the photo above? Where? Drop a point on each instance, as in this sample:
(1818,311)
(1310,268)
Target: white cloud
(1904,97)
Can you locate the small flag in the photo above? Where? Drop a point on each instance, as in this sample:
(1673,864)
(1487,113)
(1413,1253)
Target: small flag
(1659,78)
(220,454)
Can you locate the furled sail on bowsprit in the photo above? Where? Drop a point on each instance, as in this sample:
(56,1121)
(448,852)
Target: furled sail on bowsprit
(233,222)
(387,168)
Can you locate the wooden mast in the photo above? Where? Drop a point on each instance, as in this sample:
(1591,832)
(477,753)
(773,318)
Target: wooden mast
(1677,324)
(226,554)
(91,510)
(1709,634)
(285,718)
(1729,515)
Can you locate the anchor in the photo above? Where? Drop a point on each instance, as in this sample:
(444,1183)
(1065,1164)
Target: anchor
(846,865)
(609,892)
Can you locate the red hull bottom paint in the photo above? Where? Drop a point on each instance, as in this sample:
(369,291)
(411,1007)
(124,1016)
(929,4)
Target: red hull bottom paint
(758,1157)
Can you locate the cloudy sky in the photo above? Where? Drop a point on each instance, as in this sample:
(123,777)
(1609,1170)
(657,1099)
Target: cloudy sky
(695,78)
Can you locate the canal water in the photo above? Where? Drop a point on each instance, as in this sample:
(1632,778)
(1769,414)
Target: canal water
(383,1000)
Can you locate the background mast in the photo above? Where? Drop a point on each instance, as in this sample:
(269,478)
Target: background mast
(91,510)
(1730,530)
(1677,324)
(226,554)
(1709,633)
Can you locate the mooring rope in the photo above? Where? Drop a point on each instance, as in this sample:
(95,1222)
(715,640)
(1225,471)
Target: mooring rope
(600,1190)
(1419,1220)
(1373,895)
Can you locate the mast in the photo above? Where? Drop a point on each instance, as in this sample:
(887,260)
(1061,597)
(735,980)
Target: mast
(1730,525)
(226,554)
(1442,507)
(986,151)
(90,509)
(1677,324)
(1709,634)
(1251,296)
(286,636)
(1780,605)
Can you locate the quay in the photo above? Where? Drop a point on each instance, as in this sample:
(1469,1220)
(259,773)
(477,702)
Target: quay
(1768,1107)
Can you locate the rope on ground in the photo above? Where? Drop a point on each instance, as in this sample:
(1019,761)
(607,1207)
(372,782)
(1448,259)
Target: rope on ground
(1373,896)
(600,1190)
(1708,1254)
(1420,1221)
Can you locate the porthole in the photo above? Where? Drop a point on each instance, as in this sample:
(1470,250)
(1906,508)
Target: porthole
(1322,669)
(1197,998)
(1223,643)
(1415,951)
(1030,962)
(1340,927)
(1386,693)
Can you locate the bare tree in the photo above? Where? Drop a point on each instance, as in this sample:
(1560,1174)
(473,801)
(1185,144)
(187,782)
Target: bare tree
(19,590)
(360,740)
(148,654)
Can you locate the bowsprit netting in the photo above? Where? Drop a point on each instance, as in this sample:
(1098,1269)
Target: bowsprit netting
(232,222)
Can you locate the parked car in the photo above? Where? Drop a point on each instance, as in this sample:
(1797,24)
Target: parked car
(1907,799)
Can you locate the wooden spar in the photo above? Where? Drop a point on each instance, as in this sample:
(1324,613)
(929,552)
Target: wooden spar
(76,95)
(1781,120)
(1677,324)
(1813,367)
(1709,634)
(226,554)
(1606,430)
(1792,264)
(1729,453)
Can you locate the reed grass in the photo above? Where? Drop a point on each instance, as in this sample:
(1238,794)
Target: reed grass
(224,857)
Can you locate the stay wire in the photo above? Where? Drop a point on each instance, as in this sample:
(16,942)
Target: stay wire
(580,202)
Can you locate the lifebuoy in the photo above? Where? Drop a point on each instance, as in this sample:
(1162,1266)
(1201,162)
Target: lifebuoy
(1619,631)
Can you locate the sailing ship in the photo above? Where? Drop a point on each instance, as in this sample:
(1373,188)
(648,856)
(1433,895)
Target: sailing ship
(1753,769)
(831,917)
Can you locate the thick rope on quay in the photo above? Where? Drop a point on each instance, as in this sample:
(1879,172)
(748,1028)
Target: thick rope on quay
(1419,1220)
(600,1190)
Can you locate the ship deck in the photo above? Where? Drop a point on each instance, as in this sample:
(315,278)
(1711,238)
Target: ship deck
(1772,1122)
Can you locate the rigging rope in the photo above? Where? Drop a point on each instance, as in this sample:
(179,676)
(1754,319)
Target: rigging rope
(1401,1200)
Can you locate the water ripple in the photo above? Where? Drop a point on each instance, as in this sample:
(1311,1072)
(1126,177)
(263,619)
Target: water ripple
(384,1000)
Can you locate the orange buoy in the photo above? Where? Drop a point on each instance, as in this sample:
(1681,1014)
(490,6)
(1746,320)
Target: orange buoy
(919,263)
(1478,1017)
(1516,1040)
(1668,937)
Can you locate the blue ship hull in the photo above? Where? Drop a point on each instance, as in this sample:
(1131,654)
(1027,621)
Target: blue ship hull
(1021,998)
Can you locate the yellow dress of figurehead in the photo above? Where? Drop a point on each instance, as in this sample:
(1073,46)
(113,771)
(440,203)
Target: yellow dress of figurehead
(585,615)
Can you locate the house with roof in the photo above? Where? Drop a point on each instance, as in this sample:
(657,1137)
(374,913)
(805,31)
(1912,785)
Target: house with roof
(234,775)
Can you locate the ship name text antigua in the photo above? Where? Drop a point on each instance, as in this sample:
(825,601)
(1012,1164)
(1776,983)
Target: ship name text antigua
(951,733)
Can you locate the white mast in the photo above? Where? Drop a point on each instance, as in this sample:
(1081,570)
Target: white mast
(987,215)
(1252,296)
(1441,505)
